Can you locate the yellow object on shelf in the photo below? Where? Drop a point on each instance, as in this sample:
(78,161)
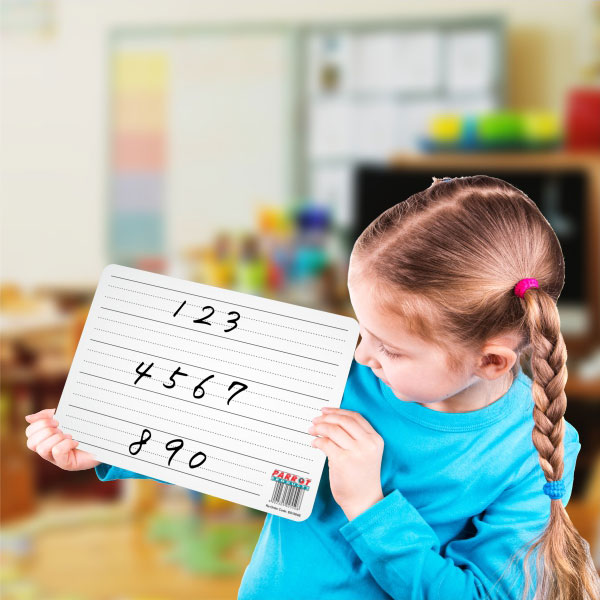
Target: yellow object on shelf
(541,125)
(445,127)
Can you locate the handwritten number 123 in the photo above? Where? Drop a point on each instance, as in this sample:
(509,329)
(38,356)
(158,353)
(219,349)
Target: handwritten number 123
(203,320)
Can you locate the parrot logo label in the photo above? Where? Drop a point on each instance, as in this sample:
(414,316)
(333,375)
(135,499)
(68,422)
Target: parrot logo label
(289,489)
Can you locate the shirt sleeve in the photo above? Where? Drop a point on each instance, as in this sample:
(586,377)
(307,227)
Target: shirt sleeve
(402,551)
(106,472)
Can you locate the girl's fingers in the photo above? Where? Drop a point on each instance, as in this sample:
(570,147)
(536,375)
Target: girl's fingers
(41,424)
(44,448)
(326,445)
(64,455)
(38,437)
(335,433)
(47,413)
(350,414)
(353,429)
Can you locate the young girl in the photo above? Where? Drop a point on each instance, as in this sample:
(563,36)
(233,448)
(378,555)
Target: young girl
(445,460)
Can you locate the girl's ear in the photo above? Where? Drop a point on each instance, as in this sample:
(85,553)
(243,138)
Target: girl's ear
(495,361)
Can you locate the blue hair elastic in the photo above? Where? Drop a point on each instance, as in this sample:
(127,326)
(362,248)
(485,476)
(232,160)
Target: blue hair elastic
(447,179)
(554,489)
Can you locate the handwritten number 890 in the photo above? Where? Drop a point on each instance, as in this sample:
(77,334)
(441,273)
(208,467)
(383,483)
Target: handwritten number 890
(174,445)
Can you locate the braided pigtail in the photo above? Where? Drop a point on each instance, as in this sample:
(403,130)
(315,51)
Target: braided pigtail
(564,566)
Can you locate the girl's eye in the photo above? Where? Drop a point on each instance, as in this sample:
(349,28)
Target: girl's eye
(387,352)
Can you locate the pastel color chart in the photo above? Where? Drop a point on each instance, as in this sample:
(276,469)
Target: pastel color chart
(138,155)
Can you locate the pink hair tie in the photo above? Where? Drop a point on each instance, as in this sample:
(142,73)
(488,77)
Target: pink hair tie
(524,285)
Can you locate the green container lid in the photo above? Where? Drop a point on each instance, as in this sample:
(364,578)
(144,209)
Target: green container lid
(499,127)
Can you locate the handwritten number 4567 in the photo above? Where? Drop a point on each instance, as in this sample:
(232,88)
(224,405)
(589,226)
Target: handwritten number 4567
(198,389)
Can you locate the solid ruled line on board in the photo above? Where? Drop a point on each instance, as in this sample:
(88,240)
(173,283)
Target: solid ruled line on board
(173,459)
(232,303)
(211,369)
(191,306)
(196,427)
(131,434)
(192,402)
(104,427)
(172,469)
(190,439)
(224,338)
(249,393)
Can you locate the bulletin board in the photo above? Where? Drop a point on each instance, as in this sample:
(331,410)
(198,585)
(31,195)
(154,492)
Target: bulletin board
(205,122)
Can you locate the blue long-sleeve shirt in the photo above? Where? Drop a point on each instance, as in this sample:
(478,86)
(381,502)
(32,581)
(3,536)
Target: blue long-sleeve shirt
(462,492)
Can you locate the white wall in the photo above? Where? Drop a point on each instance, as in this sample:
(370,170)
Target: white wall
(53,113)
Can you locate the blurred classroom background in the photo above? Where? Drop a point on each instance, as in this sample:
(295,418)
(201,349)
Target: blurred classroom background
(245,145)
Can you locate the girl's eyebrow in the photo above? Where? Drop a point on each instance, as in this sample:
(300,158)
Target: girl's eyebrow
(386,343)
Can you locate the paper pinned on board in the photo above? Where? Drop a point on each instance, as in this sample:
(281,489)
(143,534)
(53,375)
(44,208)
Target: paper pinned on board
(207,388)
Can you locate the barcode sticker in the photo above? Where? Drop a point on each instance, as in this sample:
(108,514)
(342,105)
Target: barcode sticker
(207,388)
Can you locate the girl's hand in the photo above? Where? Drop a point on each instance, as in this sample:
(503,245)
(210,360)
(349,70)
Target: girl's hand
(53,445)
(354,450)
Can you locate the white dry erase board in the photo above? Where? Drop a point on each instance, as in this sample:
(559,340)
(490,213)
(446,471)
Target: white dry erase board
(207,388)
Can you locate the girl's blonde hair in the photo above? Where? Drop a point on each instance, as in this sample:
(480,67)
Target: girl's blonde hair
(446,261)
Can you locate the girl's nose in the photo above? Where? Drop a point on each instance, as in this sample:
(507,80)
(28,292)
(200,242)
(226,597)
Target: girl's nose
(363,357)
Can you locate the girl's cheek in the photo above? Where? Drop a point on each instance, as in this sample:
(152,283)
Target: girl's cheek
(406,389)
